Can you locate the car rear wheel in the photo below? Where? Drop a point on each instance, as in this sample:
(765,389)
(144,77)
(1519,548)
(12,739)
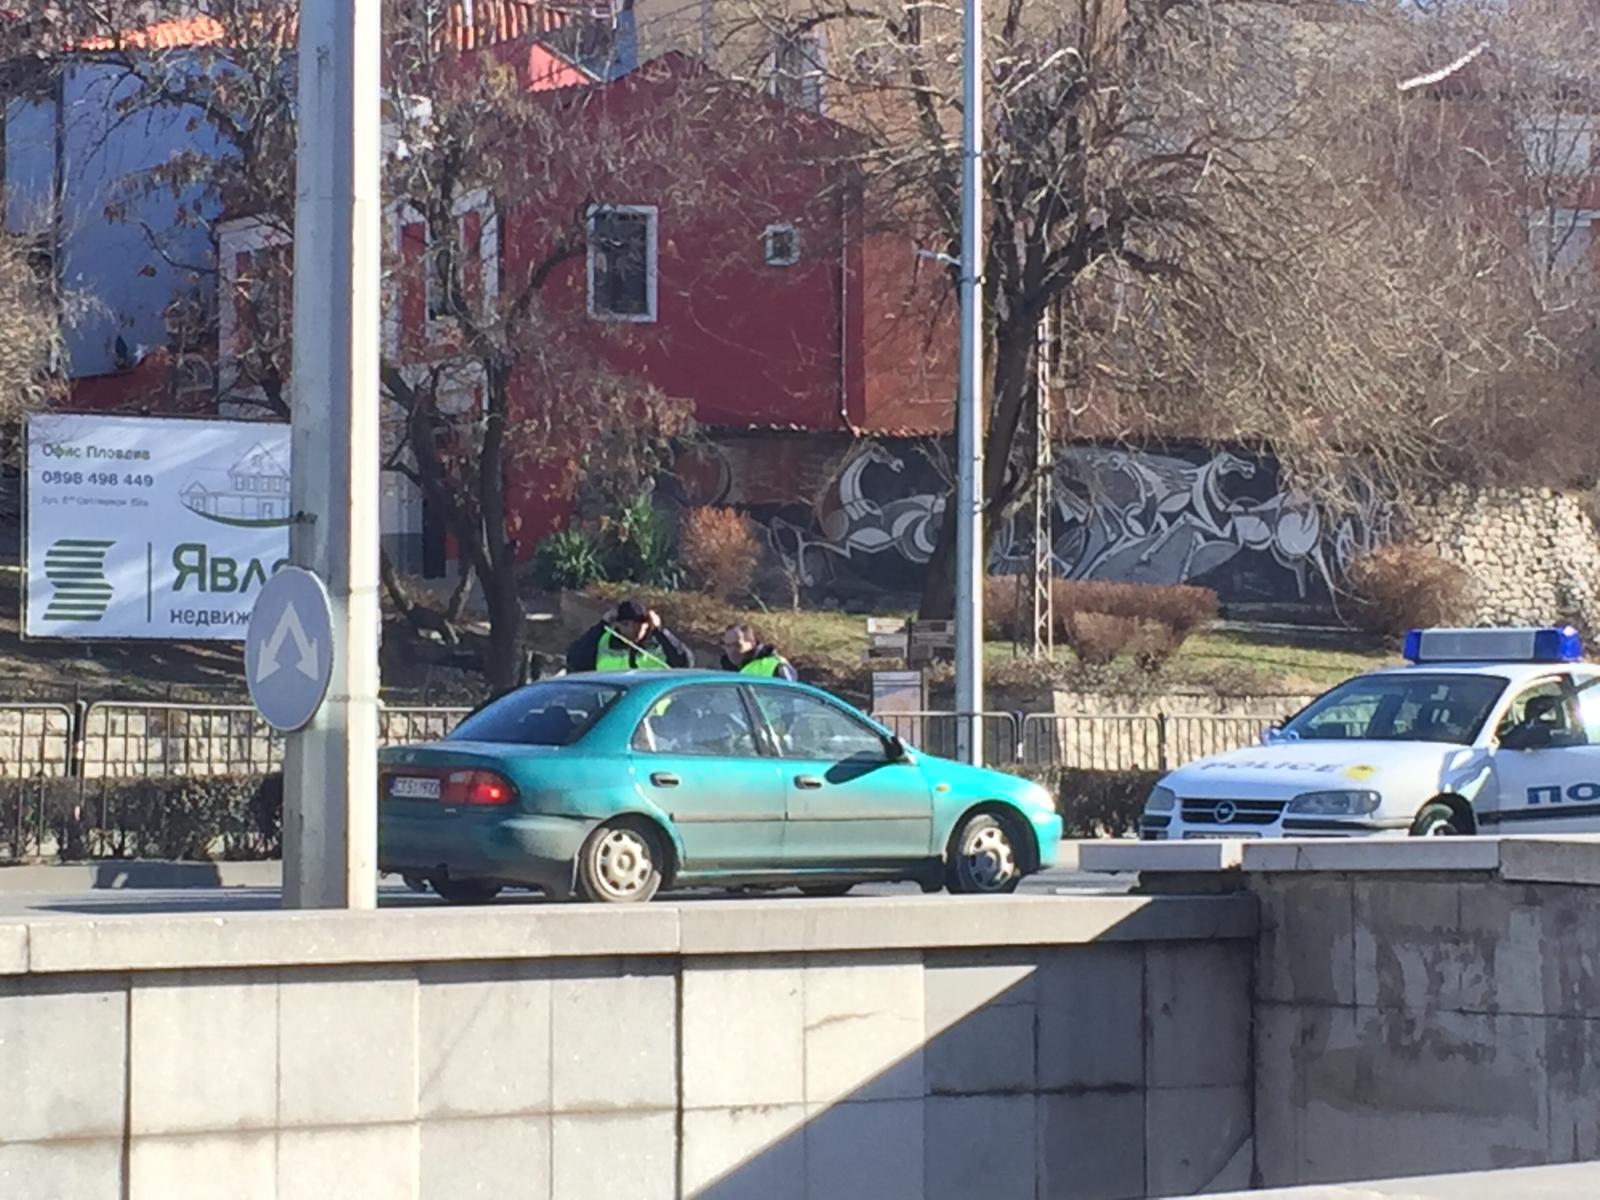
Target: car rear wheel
(985,857)
(826,889)
(1438,820)
(465,891)
(621,863)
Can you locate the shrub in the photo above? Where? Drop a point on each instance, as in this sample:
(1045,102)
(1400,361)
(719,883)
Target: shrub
(639,547)
(569,559)
(197,818)
(1097,638)
(1399,587)
(718,550)
(1102,803)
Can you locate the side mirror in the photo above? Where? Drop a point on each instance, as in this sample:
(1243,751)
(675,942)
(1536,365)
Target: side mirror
(897,749)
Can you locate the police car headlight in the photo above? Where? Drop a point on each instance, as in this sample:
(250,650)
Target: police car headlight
(1161,800)
(1335,804)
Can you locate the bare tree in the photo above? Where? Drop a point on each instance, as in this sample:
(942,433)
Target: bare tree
(498,187)
(31,319)
(1230,217)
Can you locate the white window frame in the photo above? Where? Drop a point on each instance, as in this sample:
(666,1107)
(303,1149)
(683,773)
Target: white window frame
(1576,248)
(479,201)
(767,236)
(811,84)
(1559,145)
(651,262)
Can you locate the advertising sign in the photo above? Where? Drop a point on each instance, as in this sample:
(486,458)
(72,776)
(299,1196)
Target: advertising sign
(149,527)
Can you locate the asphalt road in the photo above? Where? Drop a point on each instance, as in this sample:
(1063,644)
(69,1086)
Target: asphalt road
(135,901)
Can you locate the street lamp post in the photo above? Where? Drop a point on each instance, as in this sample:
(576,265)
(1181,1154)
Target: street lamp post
(330,767)
(969,400)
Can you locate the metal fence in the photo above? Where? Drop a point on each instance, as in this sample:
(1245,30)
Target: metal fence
(132,739)
(939,733)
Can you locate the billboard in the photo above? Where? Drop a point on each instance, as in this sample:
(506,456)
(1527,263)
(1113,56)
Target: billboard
(150,527)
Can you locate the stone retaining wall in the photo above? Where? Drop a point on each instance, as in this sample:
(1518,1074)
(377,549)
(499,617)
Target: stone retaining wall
(1533,554)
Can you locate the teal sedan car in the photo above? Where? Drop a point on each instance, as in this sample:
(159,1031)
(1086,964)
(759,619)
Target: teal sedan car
(615,786)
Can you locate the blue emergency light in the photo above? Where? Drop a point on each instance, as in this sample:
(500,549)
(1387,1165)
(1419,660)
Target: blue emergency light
(1494,645)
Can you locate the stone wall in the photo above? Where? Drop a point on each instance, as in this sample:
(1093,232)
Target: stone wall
(1533,554)
(891,1049)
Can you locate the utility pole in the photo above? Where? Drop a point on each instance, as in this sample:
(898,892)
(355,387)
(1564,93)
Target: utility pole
(330,768)
(1044,608)
(969,400)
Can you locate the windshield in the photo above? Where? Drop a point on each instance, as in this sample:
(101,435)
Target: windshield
(1400,707)
(546,714)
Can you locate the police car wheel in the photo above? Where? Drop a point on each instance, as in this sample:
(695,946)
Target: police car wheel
(1437,820)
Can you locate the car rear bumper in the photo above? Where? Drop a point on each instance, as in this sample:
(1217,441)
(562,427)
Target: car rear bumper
(526,850)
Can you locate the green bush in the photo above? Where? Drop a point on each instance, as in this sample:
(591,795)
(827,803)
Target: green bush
(639,547)
(194,818)
(570,559)
(1101,803)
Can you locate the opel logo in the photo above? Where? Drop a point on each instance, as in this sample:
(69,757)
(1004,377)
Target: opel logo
(1226,811)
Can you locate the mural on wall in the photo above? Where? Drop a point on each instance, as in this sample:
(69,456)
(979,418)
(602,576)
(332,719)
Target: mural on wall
(1189,515)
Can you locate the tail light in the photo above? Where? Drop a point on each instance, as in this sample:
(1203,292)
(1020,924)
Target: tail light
(479,789)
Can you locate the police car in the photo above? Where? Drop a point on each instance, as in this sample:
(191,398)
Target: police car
(1485,731)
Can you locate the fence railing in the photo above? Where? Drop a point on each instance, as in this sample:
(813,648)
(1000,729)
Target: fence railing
(1133,741)
(122,739)
(939,732)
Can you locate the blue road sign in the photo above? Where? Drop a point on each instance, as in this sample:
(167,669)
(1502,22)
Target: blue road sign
(288,649)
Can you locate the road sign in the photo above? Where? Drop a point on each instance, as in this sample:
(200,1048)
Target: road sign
(288,649)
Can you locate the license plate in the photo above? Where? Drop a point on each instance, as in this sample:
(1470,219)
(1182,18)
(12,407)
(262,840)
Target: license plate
(1217,837)
(414,788)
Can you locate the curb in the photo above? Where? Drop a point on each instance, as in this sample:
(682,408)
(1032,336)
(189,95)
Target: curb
(138,874)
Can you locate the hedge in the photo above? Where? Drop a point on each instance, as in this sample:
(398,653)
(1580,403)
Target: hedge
(226,818)
(1101,803)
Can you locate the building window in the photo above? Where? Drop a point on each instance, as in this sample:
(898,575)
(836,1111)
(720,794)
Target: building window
(1557,145)
(622,262)
(781,244)
(1560,239)
(797,69)
(443,271)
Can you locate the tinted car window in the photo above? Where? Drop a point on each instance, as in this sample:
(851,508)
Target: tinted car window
(1400,707)
(698,720)
(546,714)
(809,728)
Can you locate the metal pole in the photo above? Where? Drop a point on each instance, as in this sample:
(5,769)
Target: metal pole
(969,406)
(1044,609)
(330,767)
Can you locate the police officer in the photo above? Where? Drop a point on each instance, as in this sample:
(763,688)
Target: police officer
(741,652)
(633,637)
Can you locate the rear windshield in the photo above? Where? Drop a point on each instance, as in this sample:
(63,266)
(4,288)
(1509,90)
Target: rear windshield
(546,714)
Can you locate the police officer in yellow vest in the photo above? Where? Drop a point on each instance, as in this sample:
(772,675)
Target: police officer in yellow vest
(742,652)
(632,638)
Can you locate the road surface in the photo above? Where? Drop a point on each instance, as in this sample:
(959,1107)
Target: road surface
(134,901)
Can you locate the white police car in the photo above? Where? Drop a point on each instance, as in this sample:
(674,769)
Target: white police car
(1487,731)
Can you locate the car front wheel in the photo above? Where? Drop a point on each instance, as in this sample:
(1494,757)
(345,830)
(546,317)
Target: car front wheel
(985,857)
(621,863)
(1438,820)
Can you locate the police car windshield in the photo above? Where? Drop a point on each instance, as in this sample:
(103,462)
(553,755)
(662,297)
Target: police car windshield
(545,714)
(1400,707)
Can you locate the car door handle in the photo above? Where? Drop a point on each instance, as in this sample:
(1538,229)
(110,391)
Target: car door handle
(664,779)
(809,782)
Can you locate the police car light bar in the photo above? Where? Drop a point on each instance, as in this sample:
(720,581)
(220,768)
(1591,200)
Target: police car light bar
(1494,645)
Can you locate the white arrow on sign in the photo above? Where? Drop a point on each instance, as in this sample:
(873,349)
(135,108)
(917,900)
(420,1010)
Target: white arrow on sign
(289,626)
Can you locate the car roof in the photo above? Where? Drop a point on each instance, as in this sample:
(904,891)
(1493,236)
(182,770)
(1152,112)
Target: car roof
(1513,671)
(684,675)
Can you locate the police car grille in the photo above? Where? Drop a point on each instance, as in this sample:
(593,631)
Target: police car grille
(1245,812)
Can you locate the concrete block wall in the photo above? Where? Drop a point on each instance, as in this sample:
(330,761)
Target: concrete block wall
(1096,1048)
(1420,1007)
